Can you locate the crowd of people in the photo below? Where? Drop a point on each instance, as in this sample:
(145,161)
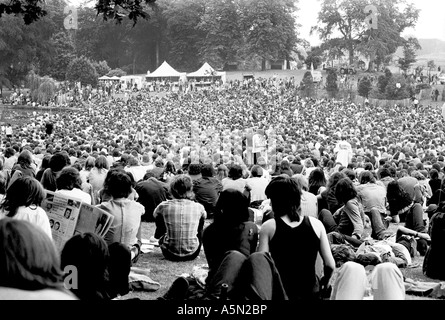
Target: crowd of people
(294,216)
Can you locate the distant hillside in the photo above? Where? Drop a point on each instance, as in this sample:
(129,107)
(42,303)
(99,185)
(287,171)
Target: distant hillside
(431,46)
(432,49)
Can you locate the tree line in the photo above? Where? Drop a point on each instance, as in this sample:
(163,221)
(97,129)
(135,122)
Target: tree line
(187,33)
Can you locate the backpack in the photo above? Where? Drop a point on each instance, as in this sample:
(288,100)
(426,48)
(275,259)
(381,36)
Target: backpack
(434,262)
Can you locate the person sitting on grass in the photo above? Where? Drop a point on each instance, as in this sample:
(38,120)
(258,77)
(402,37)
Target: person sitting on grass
(180,221)
(127,213)
(102,269)
(231,230)
(349,219)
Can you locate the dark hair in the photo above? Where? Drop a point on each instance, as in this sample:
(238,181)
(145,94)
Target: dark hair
(9,152)
(285,196)
(345,191)
(118,183)
(384,172)
(350,174)
(232,208)
(181,187)
(334,179)
(89,254)
(194,169)
(25,159)
(235,172)
(170,167)
(69,179)
(397,197)
(101,163)
(366,176)
(25,191)
(434,174)
(89,163)
(316,180)
(3,182)
(58,162)
(256,171)
(207,170)
(28,257)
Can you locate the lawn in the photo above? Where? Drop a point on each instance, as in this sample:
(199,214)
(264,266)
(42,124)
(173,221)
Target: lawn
(165,272)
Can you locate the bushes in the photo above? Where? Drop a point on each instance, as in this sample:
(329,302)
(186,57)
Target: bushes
(331,83)
(82,70)
(364,87)
(307,88)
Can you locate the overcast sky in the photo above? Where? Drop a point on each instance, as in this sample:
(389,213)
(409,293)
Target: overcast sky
(431,23)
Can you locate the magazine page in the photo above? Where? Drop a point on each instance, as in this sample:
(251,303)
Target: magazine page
(63,213)
(93,219)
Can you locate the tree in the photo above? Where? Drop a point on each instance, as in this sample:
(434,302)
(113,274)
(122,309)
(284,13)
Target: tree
(64,53)
(269,29)
(315,57)
(431,65)
(184,35)
(32,10)
(410,47)
(101,68)
(383,81)
(342,24)
(364,86)
(116,73)
(46,90)
(307,88)
(331,83)
(397,88)
(82,70)
(222,27)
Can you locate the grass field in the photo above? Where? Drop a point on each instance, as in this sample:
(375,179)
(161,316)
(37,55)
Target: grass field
(165,272)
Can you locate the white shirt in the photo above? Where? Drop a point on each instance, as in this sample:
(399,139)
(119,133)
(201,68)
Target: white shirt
(33,214)
(77,194)
(258,185)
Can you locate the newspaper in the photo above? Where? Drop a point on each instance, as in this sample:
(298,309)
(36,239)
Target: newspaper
(69,216)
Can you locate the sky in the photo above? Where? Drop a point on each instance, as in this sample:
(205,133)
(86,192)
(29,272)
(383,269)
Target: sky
(431,23)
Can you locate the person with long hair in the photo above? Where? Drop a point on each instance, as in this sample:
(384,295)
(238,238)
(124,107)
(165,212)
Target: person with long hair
(127,213)
(327,199)
(43,166)
(349,219)
(24,164)
(222,172)
(102,270)
(23,202)
(294,240)
(30,268)
(403,208)
(231,230)
(180,221)
(57,162)
(317,181)
(97,175)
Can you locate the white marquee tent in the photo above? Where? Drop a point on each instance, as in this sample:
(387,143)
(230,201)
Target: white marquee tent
(165,71)
(206,73)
